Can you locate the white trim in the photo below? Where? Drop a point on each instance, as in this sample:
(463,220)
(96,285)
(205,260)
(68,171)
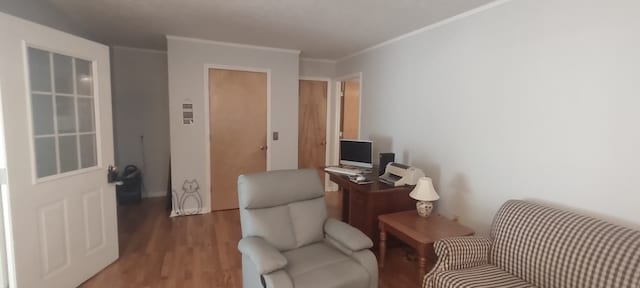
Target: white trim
(139,49)
(154,194)
(335,140)
(428,27)
(207,115)
(353,76)
(231,44)
(313,78)
(320,60)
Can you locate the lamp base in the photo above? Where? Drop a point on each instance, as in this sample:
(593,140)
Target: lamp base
(424,208)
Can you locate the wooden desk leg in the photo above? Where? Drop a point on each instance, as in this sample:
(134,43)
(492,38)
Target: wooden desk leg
(383,244)
(345,205)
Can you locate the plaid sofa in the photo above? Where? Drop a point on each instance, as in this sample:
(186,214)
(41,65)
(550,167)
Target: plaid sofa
(537,246)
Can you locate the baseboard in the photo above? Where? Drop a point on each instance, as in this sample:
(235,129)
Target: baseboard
(188,212)
(155,194)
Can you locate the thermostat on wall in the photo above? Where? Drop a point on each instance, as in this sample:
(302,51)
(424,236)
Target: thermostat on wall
(187,114)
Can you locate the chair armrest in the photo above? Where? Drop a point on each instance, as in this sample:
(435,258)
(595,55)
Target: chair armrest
(265,257)
(347,235)
(277,279)
(459,253)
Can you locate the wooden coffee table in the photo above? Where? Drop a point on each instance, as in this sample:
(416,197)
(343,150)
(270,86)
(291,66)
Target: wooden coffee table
(418,232)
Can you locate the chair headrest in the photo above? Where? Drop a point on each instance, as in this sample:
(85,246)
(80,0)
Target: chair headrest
(276,188)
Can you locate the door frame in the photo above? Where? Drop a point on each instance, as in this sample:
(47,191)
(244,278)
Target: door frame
(328,131)
(207,118)
(335,139)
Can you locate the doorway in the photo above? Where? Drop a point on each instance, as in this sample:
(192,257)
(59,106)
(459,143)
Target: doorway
(237,131)
(350,109)
(312,124)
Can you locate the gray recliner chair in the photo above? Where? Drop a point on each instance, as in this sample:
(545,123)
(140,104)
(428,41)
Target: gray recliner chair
(288,240)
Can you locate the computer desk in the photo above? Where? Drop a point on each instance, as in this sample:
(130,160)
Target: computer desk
(362,203)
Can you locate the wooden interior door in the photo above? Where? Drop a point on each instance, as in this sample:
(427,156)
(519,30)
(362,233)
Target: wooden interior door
(238,131)
(312,125)
(350,120)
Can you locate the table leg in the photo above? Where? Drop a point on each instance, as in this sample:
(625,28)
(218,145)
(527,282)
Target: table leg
(422,263)
(383,245)
(345,205)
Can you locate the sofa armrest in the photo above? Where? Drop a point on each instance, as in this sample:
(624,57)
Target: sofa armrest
(264,256)
(459,253)
(347,235)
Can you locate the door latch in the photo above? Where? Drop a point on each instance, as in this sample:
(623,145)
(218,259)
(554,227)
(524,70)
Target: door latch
(112,174)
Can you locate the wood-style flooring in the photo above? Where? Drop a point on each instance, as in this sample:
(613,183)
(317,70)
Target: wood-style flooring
(201,250)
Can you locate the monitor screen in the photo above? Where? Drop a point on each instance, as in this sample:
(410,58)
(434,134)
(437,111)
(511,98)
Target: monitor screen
(356,153)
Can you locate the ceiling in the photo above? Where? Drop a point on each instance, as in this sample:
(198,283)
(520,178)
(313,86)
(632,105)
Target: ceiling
(325,29)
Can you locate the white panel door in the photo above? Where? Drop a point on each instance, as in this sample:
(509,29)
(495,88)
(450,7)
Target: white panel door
(56,103)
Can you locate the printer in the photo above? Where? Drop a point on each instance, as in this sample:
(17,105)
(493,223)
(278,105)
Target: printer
(397,174)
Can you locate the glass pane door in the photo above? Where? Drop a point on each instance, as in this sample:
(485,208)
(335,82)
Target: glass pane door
(63,112)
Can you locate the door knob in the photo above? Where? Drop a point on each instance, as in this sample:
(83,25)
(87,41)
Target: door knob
(323,143)
(263,147)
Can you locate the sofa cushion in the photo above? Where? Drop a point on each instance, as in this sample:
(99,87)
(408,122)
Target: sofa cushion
(484,276)
(320,265)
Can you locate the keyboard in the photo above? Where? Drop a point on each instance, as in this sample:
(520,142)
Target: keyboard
(345,171)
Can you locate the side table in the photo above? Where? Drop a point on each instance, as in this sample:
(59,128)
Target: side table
(418,232)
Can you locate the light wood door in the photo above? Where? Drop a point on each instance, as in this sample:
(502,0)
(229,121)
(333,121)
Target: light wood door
(238,124)
(350,109)
(312,134)
(56,103)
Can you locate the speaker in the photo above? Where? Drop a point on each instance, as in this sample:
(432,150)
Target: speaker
(385,158)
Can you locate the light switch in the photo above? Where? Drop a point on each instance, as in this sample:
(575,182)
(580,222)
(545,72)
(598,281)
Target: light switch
(275,135)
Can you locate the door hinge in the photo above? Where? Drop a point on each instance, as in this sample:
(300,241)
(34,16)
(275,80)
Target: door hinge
(3,176)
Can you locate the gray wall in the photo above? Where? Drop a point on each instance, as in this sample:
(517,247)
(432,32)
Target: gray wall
(42,12)
(530,99)
(141,108)
(188,80)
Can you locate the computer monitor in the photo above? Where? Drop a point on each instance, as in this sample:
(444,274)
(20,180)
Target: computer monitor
(356,153)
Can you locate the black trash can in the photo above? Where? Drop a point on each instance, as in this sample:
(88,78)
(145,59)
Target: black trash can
(130,191)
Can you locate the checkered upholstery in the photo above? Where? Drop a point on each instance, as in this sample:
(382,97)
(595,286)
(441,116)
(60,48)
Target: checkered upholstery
(542,247)
(479,276)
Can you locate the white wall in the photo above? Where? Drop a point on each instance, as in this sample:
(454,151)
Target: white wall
(529,99)
(141,109)
(188,59)
(317,68)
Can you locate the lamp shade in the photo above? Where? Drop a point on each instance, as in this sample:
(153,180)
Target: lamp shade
(424,191)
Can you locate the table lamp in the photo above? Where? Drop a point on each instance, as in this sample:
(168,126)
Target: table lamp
(425,194)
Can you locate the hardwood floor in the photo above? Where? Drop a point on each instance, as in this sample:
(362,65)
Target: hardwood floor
(201,250)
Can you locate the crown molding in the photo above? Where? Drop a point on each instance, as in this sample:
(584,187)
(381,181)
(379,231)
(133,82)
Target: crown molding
(428,27)
(231,44)
(319,60)
(139,49)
